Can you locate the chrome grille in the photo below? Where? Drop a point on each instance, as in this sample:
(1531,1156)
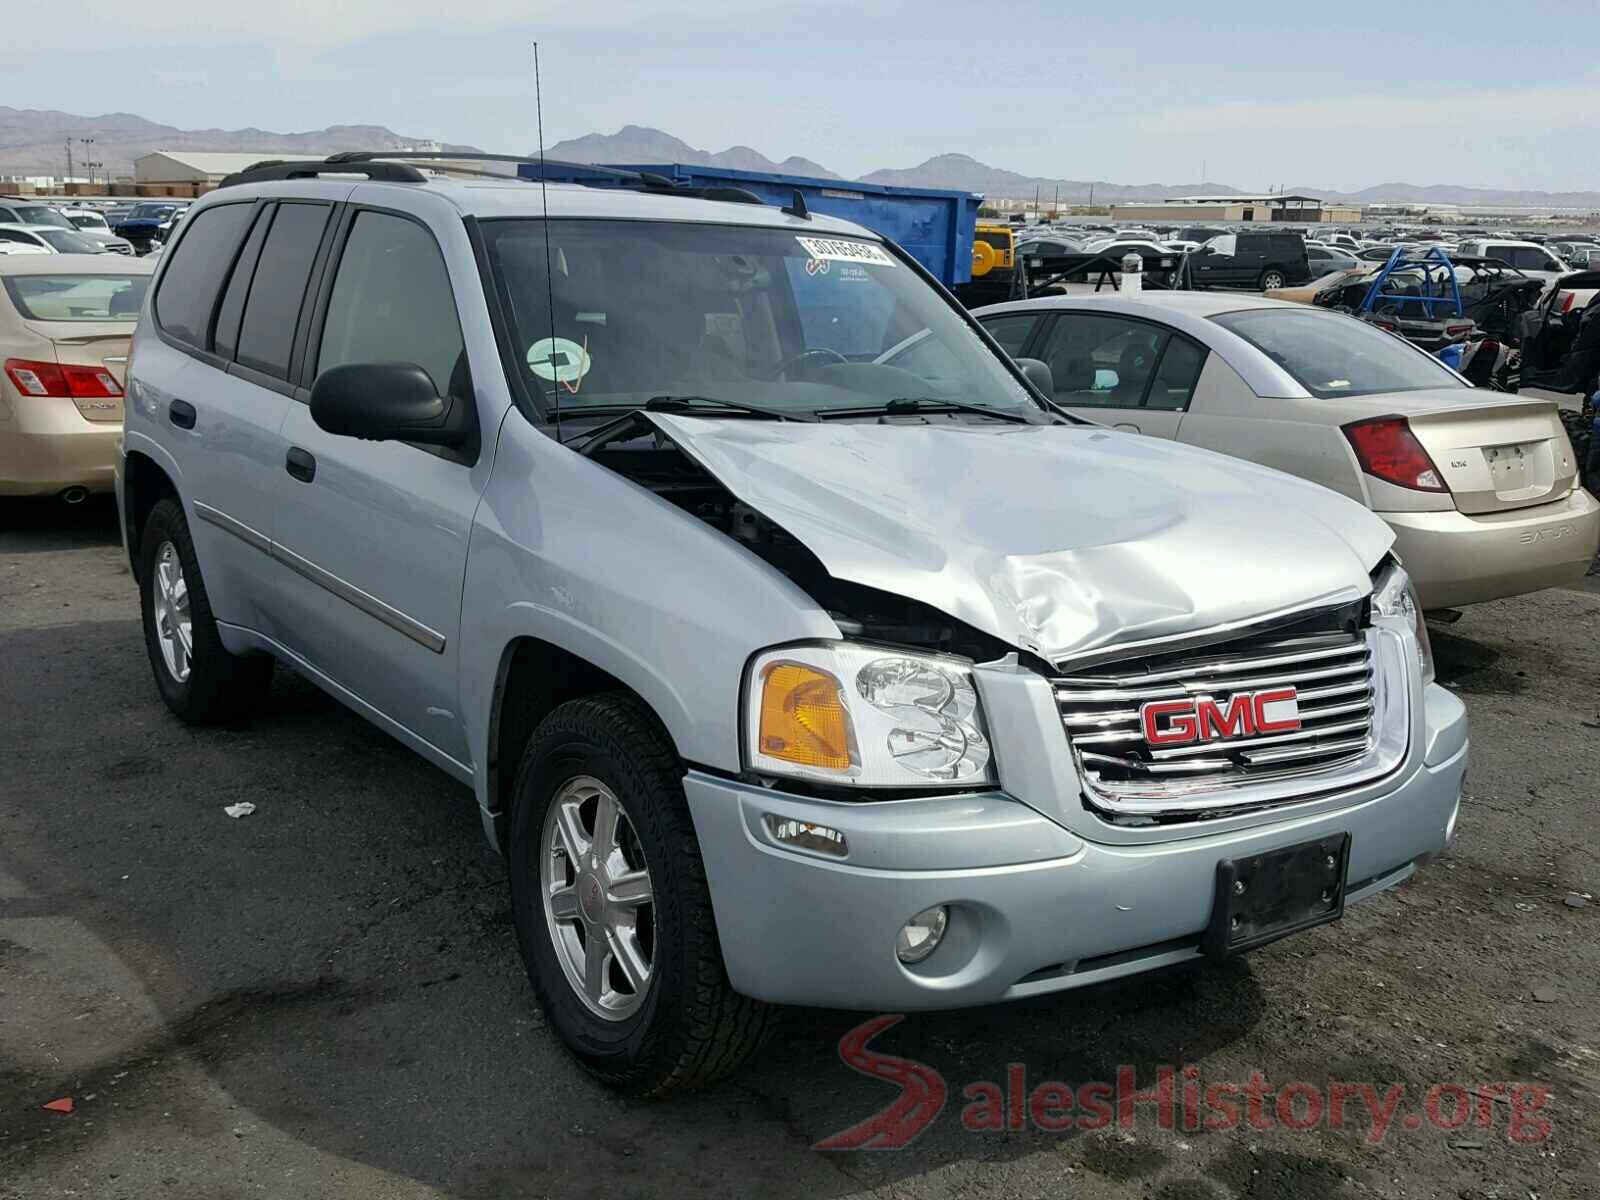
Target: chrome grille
(1331,670)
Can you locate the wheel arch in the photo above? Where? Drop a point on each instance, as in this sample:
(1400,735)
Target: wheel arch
(145,483)
(533,677)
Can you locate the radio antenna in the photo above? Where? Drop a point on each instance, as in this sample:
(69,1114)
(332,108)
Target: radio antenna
(549,275)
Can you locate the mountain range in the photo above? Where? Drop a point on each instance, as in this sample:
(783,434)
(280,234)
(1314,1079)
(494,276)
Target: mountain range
(32,142)
(641,144)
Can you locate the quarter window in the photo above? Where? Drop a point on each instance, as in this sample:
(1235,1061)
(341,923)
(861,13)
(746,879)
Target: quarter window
(1176,376)
(188,291)
(392,303)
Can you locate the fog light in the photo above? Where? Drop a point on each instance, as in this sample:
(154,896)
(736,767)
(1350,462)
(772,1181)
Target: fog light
(803,835)
(920,936)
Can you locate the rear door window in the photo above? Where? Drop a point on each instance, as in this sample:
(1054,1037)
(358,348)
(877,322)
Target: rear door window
(225,339)
(1101,362)
(200,260)
(272,310)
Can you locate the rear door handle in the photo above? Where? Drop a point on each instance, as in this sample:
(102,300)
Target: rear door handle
(302,464)
(181,413)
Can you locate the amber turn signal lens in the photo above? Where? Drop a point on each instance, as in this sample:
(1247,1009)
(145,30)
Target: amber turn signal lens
(803,719)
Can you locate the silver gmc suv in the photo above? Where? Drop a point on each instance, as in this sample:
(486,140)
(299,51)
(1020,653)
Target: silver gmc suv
(795,648)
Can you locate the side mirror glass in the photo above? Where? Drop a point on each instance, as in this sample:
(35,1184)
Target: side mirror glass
(386,402)
(1037,372)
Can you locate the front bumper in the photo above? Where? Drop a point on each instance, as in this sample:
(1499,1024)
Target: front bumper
(1036,906)
(1454,558)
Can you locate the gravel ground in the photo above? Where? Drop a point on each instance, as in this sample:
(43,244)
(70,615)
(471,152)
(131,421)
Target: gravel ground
(325,999)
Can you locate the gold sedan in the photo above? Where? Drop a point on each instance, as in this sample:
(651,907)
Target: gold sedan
(65,324)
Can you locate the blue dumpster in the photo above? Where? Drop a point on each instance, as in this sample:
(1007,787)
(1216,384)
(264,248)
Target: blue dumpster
(934,226)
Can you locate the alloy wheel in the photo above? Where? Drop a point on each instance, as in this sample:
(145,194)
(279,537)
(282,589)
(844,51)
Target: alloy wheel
(599,903)
(174,631)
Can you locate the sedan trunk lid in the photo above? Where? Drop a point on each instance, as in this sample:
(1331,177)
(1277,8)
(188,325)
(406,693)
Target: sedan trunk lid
(1494,453)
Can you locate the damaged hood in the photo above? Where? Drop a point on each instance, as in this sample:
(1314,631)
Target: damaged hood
(1060,540)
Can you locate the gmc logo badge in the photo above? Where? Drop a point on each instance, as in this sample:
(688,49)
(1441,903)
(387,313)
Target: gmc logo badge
(1203,719)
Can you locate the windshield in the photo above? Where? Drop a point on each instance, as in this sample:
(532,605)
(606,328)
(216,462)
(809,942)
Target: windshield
(38,214)
(755,316)
(1332,355)
(152,212)
(88,221)
(77,297)
(69,240)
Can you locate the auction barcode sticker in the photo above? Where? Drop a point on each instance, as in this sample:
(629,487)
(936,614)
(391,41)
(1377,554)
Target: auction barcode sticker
(839,250)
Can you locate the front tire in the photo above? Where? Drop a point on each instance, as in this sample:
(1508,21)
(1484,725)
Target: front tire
(612,910)
(197,677)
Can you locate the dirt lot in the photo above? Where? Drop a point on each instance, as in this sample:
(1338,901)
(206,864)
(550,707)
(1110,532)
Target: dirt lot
(325,999)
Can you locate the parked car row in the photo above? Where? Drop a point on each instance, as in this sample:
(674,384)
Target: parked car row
(140,228)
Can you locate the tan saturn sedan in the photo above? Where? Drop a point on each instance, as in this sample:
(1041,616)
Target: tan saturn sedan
(65,324)
(1479,487)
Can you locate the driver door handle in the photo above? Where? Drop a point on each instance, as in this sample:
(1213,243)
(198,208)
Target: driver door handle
(302,464)
(1127,427)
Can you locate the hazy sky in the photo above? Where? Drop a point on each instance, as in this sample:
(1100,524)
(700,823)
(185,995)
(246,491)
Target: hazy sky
(1488,94)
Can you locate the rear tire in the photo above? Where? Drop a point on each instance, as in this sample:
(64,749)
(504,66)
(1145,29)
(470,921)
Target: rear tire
(196,675)
(685,1026)
(1271,278)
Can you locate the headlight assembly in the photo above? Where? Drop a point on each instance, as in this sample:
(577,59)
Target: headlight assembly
(865,716)
(1393,596)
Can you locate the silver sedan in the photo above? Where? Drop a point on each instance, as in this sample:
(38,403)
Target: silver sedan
(1480,488)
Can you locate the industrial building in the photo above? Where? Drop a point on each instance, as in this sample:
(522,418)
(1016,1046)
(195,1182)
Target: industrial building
(1275,206)
(192,173)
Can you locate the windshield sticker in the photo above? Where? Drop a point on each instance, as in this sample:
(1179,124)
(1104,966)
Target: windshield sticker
(839,250)
(816,266)
(560,360)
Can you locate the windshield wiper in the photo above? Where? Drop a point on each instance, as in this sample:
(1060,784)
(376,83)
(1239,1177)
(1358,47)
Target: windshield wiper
(905,406)
(678,404)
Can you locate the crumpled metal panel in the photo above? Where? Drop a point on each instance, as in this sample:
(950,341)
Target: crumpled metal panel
(1058,539)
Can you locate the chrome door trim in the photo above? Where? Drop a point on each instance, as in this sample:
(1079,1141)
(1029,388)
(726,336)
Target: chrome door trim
(246,533)
(365,601)
(414,629)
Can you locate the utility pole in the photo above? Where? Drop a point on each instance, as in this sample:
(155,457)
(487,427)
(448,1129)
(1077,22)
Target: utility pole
(69,158)
(86,143)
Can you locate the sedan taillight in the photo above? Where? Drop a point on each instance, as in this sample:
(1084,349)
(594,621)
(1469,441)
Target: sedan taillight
(1388,450)
(67,381)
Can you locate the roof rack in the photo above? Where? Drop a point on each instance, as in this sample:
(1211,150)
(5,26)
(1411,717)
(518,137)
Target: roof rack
(310,168)
(391,166)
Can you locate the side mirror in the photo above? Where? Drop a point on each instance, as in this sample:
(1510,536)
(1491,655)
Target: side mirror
(1037,373)
(384,402)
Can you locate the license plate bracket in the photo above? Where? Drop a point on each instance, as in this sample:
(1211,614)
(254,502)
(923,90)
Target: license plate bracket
(1267,896)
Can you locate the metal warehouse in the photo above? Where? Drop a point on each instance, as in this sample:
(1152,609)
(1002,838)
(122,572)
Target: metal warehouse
(1274,206)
